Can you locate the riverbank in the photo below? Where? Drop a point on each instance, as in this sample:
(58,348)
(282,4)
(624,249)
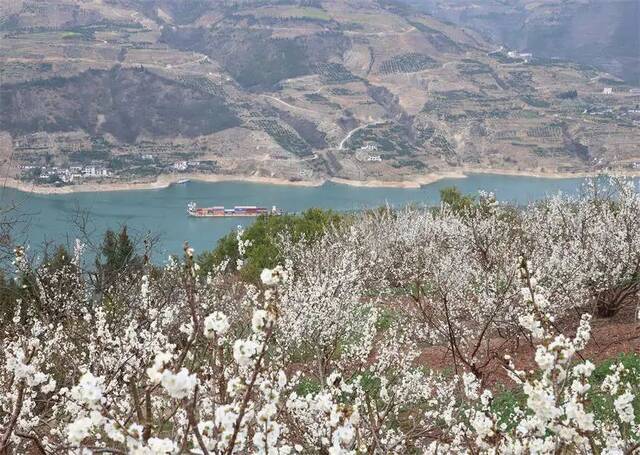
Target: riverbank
(161,182)
(165,181)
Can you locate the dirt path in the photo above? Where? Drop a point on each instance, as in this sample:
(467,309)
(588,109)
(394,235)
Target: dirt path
(289,105)
(348,136)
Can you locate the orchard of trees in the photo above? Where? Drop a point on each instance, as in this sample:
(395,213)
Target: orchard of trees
(309,335)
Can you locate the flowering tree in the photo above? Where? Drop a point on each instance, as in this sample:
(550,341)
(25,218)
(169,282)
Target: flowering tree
(555,417)
(323,355)
(590,246)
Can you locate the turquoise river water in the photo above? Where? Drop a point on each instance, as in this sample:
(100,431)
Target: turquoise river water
(163,211)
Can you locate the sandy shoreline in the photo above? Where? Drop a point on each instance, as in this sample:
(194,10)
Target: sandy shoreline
(165,181)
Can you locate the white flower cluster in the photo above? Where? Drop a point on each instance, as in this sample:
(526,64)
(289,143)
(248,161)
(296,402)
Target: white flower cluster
(216,324)
(178,385)
(273,277)
(331,352)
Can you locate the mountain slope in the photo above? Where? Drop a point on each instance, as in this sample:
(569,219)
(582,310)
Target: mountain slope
(357,89)
(593,32)
(122,103)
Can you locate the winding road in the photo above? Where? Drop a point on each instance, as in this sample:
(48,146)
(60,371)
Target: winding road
(348,136)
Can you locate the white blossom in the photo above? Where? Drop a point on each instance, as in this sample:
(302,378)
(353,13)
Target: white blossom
(216,324)
(178,385)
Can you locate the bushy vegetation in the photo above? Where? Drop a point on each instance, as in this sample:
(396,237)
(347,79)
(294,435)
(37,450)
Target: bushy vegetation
(21,294)
(327,352)
(264,237)
(568,95)
(391,138)
(407,63)
(202,83)
(335,73)
(121,95)
(284,135)
(474,68)
(535,102)
(545,131)
(448,98)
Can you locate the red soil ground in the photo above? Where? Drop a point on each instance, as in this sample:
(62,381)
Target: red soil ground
(610,337)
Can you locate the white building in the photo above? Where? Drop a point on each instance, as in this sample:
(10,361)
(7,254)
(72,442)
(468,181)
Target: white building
(180,165)
(92,171)
(524,56)
(607,91)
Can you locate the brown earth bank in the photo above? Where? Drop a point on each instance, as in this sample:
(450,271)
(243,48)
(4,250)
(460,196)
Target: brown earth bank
(164,181)
(610,337)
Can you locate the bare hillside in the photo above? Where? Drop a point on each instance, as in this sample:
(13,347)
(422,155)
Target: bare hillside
(360,90)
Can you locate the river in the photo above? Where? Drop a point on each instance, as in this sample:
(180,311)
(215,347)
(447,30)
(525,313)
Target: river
(55,218)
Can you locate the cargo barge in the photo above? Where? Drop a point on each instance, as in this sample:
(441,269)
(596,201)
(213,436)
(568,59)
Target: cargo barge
(237,211)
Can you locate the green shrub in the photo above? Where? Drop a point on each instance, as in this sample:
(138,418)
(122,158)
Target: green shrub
(307,386)
(458,202)
(601,402)
(506,404)
(264,235)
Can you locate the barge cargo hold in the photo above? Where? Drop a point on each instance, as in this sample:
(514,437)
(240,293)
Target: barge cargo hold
(237,211)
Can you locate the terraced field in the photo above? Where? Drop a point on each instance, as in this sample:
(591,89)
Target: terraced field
(359,90)
(407,63)
(285,136)
(335,73)
(545,132)
(201,83)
